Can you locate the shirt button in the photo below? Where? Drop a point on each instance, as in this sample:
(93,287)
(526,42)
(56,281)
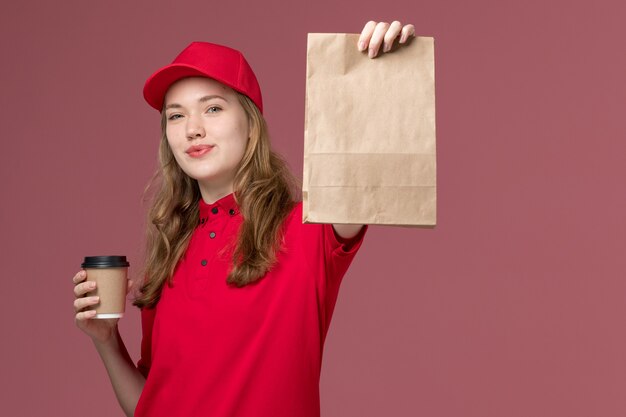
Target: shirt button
(231,212)
(203,262)
(214,210)
(212,235)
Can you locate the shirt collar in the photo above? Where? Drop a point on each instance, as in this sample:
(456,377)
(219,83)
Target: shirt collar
(223,207)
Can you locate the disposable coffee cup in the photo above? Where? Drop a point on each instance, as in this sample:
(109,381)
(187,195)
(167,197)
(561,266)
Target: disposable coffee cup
(110,274)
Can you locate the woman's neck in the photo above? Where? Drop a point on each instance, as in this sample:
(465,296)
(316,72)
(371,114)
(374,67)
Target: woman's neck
(210,194)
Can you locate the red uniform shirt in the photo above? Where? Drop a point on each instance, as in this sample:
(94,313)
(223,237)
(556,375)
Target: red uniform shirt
(212,349)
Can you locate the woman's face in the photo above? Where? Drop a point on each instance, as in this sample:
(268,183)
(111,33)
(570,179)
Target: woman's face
(207,130)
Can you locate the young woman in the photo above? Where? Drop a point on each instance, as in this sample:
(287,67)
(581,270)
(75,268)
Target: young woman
(238,294)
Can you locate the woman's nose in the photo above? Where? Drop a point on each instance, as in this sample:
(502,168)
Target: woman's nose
(194,128)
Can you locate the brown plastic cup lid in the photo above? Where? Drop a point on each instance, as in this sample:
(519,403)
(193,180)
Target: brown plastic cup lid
(105,262)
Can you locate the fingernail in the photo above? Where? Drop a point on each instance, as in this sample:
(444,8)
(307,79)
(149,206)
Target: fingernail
(361,45)
(372,53)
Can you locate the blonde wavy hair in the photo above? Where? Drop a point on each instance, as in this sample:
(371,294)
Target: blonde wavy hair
(264,190)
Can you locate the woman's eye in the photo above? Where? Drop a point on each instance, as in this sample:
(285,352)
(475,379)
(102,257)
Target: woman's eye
(173,117)
(213,107)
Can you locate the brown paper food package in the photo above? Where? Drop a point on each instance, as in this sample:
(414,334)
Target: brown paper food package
(369,133)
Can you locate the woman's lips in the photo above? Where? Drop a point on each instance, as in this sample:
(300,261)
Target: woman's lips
(199,151)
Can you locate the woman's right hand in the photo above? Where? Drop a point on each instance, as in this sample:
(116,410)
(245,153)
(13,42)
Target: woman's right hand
(100,330)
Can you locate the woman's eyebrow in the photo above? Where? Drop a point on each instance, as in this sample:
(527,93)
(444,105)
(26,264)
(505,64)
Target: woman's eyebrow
(201,100)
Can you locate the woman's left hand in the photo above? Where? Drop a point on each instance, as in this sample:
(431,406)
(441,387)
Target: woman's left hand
(376,33)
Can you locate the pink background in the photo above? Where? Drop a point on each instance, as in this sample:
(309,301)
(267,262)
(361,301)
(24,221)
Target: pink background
(514,305)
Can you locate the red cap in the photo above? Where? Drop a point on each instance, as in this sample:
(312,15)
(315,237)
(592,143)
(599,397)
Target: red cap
(205,59)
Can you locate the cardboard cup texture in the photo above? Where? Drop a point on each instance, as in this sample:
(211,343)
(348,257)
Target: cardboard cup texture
(111,284)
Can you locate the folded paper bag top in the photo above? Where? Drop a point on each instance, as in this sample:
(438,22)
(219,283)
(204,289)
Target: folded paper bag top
(369,140)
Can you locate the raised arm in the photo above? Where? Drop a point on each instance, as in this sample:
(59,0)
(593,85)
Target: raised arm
(347,231)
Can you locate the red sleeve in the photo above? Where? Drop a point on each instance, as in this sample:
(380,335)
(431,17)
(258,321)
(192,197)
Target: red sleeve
(339,252)
(341,246)
(328,256)
(147,320)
